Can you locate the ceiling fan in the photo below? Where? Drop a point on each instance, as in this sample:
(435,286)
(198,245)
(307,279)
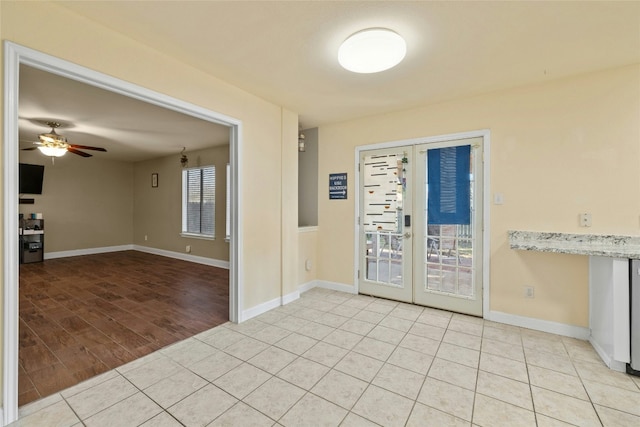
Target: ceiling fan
(55,145)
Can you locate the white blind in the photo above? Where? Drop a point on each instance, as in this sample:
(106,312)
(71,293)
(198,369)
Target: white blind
(200,200)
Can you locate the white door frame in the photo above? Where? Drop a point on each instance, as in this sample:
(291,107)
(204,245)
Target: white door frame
(14,56)
(486,154)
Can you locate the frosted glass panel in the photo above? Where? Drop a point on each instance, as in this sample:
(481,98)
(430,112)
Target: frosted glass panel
(383,180)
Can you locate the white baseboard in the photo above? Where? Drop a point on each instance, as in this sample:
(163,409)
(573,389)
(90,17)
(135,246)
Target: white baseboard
(260,309)
(615,365)
(603,354)
(539,325)
(612,364)
(496,316)
(269,305)
(307,286)
(170,254)
(185,257)
(90,251)
(286,299)
(334,286)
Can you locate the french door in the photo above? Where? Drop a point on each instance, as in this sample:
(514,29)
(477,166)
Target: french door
(420,224)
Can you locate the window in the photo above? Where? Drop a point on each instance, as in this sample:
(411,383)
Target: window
(199,202)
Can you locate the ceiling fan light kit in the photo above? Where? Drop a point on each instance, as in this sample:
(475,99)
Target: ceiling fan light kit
(52,150)
(54,145)
(51,138)
(372,50)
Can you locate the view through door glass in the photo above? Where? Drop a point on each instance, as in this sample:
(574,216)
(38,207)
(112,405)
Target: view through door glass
(448,269)
(384,237)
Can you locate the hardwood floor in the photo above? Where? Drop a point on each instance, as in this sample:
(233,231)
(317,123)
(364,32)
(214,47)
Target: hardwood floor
(81,316)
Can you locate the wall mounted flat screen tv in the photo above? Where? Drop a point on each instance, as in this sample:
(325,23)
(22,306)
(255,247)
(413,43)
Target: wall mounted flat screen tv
(31,177)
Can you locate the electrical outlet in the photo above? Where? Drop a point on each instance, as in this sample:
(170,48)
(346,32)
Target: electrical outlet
(528,291)
(188,249)
(585,220)
(146,237)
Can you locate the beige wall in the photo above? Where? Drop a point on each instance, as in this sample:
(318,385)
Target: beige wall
(54,30)
(307,250)
(557,149)
(86,202)
(158,211)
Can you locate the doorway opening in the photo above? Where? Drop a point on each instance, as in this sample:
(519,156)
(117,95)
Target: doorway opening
(15,56)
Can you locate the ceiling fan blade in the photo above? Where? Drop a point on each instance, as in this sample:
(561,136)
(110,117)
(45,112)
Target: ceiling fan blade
(78,152)
(29,149)
(86,147)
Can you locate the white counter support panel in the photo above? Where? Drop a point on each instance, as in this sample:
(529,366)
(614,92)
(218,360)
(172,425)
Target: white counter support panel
(609,317)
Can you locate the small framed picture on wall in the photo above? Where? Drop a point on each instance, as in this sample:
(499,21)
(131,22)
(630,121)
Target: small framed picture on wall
(154,180)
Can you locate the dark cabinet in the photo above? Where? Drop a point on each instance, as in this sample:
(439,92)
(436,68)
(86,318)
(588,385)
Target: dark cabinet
(31,240)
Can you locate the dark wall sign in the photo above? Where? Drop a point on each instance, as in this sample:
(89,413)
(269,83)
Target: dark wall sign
(337,186)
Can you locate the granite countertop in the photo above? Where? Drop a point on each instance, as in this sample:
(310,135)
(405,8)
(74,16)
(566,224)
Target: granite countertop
(616,246)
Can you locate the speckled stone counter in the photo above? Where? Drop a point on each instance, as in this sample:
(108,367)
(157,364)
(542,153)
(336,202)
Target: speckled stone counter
(577,244)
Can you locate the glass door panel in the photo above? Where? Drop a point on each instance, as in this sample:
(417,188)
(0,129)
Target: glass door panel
(384,237)
(448,270)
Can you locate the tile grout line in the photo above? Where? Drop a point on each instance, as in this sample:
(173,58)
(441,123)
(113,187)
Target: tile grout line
(530,386)
(333,368)
(582,384)
(475,390)
(330,369)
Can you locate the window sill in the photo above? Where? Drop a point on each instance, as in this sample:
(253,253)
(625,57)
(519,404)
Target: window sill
(197,236)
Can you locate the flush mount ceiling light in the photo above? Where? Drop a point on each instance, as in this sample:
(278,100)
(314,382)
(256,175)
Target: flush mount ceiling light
(372,50)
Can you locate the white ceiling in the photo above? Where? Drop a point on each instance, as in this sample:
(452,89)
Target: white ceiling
(285,52)
(130,130)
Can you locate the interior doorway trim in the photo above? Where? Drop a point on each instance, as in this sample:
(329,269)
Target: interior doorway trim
(14,56)
(486,170)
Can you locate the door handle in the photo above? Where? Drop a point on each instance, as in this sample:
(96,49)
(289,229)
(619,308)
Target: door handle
(407,235)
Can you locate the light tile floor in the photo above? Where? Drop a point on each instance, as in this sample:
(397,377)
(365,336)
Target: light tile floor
(332,359)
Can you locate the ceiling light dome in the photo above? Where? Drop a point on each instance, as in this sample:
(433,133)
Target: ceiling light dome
(52,150)
(372,50)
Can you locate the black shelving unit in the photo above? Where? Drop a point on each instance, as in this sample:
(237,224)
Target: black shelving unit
(31,240)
